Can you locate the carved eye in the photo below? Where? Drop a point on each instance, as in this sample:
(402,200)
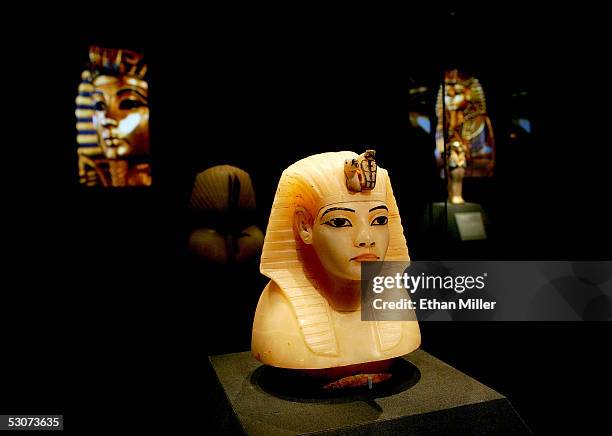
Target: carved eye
(380,221)
(99,106)
(338,222)
(131,104)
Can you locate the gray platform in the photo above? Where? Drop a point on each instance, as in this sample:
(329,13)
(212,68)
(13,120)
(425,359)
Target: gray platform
(452,222)
(442,401)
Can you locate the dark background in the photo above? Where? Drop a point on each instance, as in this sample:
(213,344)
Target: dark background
(105,319)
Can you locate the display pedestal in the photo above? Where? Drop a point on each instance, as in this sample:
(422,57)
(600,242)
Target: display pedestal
(464,222)
(458,231)
(440,400)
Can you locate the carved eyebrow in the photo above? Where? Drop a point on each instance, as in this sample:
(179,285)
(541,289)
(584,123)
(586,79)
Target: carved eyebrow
(130,91)
(380,207)
(331,209)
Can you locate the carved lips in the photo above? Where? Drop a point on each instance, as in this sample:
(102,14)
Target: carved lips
(366,257)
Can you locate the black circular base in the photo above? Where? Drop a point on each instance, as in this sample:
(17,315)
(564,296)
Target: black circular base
(296,386)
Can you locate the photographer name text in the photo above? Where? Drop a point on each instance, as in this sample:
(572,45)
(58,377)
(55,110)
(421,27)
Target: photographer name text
(433,304)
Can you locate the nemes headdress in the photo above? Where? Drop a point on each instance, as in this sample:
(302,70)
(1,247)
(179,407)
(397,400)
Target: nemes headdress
(313,183)
(107,62)
(222,189)
(116,62)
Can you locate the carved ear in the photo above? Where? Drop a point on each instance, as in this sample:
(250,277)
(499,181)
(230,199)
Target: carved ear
(302,221)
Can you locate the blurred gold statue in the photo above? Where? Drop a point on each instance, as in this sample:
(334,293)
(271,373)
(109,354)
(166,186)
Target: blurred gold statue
(113,120)
(457,153)
(465,144)
(324,223)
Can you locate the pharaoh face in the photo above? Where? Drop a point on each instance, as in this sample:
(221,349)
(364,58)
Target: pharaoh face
(345,234)
(121,116)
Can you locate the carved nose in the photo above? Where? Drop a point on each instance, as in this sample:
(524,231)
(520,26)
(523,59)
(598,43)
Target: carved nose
(109,122)
(363,244)
(364,238)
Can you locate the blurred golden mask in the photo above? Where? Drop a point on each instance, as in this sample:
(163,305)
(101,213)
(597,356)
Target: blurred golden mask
(121,116)
(113,120)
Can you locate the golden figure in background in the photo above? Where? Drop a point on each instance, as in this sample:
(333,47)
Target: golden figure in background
(456,163)
(465,144)
(113,120)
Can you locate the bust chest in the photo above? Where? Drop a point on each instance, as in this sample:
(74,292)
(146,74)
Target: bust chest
(355,337)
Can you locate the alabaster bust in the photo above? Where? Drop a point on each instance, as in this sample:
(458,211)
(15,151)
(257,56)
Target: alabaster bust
(222,207)
(331,212)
